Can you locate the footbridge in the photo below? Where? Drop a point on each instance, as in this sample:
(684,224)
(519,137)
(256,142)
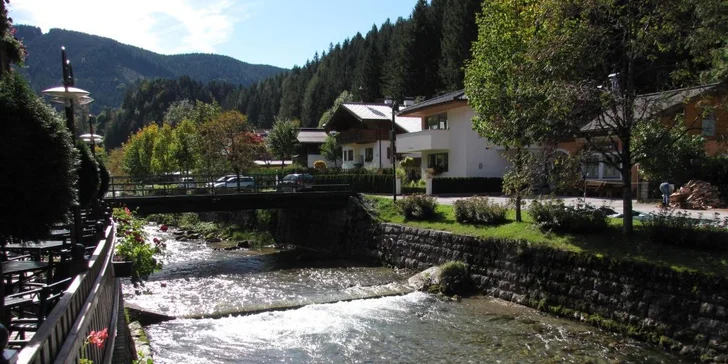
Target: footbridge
(162,194)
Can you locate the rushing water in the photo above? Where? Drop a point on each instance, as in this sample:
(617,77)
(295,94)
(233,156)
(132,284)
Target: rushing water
(407,328)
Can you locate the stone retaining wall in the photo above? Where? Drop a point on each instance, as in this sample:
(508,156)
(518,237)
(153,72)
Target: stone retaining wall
(682,312)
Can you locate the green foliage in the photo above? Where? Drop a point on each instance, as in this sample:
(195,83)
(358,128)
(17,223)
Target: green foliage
(479,210)
(139,152)
(88,175)
(178,111)
(344,96)
(184,145)
(12,51)
(467,185)
(454,278)
(661,162)
(554,215)
(38,160)
(132,245)
(677,228)
(331,150)
(229,137)
(283,138)
(104,179)
(417,207)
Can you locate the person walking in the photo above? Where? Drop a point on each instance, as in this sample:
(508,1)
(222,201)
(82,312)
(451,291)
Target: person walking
(666,189)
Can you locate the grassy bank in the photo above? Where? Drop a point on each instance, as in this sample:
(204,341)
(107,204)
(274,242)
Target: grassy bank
(609,243)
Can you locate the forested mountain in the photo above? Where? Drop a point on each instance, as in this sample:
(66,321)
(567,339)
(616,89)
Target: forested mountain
(108,68)
(420,56)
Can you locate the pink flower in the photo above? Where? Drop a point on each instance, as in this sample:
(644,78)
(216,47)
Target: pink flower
(98,337)
(163,228)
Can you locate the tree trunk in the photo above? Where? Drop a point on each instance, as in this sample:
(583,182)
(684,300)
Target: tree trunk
(627,186)
(519,166)
(237,176)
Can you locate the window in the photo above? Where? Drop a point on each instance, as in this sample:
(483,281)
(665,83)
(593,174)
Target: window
(438,160)
(369,154)
(608,170)
(351,154)
(709,124)
(591,167)
(437,122)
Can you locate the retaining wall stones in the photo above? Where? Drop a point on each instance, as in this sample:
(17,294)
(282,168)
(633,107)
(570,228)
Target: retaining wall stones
(682,312)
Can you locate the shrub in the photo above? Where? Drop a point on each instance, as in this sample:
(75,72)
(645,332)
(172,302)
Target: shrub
(454,278)
(417,207)
(413,190)
(479,210)
(104,179)
(319,166)
(680,229)
(467,185)
(362,182)
(554,215)
(38,162)
(88,175)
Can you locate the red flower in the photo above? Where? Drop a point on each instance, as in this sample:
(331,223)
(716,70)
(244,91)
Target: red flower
(98,337)
(163,228)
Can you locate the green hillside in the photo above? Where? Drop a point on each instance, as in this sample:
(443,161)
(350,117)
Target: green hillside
(107,68)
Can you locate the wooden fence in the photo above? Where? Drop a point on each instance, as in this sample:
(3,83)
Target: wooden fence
(90,303)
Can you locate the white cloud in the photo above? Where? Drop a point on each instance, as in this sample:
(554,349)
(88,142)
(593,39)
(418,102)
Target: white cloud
(164,26)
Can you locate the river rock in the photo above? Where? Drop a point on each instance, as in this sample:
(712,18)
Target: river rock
(193,236)
(244,244)
(424,279)
(213,240)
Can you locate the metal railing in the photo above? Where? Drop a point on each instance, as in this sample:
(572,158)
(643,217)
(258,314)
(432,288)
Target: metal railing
(90,303)
(126,186)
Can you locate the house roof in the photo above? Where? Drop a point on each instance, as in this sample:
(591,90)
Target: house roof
(458,95)
(311,135)
(653,103)
(365,112)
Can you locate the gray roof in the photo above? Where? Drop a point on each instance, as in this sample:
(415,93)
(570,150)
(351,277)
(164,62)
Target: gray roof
(311,135)
(383,112)
(647,105)
(451,96)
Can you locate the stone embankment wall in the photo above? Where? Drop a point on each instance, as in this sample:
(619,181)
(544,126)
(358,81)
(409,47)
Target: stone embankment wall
(682,312)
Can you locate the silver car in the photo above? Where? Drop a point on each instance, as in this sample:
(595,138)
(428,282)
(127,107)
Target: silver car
(246,183)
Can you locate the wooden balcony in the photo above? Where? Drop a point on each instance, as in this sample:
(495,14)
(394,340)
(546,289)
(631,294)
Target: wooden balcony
(361,136)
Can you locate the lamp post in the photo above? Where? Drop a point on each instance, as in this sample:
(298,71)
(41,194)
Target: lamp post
(67,95)
(392,138)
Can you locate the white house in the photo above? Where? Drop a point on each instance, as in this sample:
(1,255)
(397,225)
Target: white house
(447,140)
(310,141)
(363,131)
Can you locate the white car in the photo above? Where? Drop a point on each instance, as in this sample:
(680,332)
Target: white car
(246,183)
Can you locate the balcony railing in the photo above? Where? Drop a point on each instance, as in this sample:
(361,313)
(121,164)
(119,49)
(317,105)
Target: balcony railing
(423,141)
(360,136)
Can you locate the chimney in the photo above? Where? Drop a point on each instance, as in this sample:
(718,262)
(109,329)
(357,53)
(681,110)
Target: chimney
(614,81)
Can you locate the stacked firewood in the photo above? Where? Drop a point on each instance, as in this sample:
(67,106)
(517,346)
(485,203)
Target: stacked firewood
(696,195)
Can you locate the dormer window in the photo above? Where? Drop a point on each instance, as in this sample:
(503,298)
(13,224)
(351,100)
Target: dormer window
(436,122)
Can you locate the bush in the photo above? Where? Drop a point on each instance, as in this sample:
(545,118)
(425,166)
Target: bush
(319,166)
(467,185)
(680,229)
(104,179)
(362,183)
(413,190)
(454,278)
(132,245)
(479,210)
(88,175)
(38,161)
(553,215)
(417,207)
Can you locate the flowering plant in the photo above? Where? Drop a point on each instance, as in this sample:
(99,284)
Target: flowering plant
(132,245)
(96,338)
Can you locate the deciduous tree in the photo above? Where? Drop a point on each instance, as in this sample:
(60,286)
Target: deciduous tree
(283,139)
(331,150)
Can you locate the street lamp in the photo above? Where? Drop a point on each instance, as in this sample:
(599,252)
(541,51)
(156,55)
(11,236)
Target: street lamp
(392,138)
(92,138)
(68,95)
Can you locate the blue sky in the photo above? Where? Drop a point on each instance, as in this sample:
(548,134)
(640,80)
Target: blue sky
(282,33)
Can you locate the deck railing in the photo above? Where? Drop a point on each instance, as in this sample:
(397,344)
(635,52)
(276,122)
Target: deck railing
(90,303)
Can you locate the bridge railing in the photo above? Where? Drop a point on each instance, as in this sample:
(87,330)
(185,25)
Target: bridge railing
(90,303)
(168,185)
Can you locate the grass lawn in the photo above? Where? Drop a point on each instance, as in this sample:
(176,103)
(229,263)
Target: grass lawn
(610,243)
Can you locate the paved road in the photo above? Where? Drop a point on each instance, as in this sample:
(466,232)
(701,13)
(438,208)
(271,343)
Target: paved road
(615,204)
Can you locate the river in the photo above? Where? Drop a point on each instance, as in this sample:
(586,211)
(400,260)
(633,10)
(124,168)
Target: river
(331,320)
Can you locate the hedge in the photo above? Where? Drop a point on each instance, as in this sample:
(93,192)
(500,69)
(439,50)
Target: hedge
(442,185)
(362,183)
(407,190)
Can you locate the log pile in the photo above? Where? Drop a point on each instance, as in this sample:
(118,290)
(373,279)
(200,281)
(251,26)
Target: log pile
(696,195)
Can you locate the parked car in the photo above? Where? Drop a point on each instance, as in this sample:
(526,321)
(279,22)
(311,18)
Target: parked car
(187,182)
(246,183)
(221,179)
(296,182)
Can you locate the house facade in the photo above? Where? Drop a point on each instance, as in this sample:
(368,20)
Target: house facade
(363,131)
(309,146)
(701,108)
(447,142)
